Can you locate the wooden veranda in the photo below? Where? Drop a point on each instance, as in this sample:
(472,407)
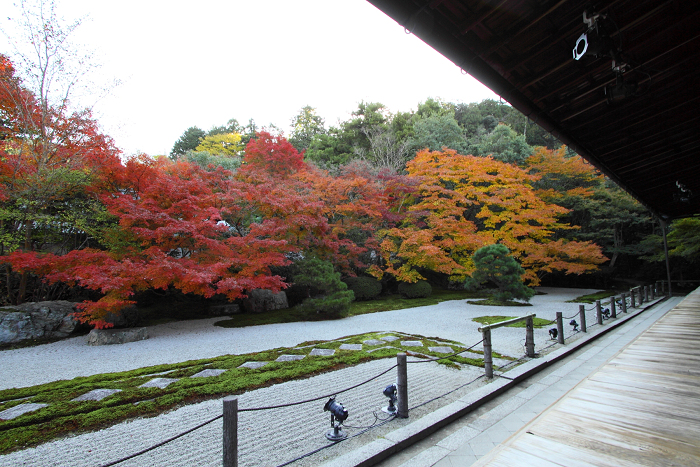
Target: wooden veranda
(641,408)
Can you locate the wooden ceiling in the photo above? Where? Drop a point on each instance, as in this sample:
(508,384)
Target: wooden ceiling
(647,140)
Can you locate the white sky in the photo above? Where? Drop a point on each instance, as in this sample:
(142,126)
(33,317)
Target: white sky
(202,63)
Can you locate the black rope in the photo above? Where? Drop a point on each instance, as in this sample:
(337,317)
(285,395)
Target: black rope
(144,451)
(447,393)
(246,410)
(446,357)
(319,397)
(334,443)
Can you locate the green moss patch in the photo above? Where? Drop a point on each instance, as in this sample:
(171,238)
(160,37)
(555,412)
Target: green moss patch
(591,298)
(63,415)
(536,322)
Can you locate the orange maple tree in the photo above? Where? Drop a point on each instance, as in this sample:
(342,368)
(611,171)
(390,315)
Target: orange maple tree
(466,202)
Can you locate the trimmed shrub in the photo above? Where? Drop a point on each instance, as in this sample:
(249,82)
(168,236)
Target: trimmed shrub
(420,289)
(364,288)
(318,275)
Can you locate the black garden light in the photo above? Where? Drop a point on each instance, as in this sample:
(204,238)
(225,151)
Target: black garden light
(390,392)
(338,414)
(553,333)
(606,313)
(574,324)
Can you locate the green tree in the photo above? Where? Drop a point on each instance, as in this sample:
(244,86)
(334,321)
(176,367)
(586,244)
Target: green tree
(503,144)
(493,263)
(328,295)
(437,131)
(187,142)
(305,125)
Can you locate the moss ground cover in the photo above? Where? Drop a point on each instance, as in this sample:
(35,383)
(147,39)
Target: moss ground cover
(591,298)
(537,322)
(63,415)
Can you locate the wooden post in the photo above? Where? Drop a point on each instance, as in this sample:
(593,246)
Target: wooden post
(402,385)
(530,337)
(560,328)
(488,359)
(632,304)
(598,312)
(613,307)
(624,303)
(582,317)
(230,431)
(651,292)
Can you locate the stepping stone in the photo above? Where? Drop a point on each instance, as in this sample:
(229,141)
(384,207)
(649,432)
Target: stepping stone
(389,338)
(21,409)
(207,373)
(373,342)
(289,358)
(441,349)
(380,348)
(97,394)
(159,383)
(412,343)
(322,352)
(253,365)
(471,355)
(350,346)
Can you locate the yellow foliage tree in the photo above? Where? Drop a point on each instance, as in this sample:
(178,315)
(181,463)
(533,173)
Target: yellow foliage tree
(227,144)
(464,203)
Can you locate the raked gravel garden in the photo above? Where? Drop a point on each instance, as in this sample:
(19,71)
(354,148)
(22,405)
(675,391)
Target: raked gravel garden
(195,363)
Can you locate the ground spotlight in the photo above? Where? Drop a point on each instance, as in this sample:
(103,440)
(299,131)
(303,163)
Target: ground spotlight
(390,392)
(553,333)
(338,414)
(574,324)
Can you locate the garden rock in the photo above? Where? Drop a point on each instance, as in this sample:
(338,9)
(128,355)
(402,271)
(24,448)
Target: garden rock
(127,317)
(116,336)
(262,300)
(224,310)
(37,320)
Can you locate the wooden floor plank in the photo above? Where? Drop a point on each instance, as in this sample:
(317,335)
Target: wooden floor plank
(641,408)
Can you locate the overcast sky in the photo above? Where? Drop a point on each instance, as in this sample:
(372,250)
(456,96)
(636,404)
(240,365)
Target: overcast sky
(201,64)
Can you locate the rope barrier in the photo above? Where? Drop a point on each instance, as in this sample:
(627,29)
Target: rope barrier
(447,393)
(446,357)
(246,410)
(144,451)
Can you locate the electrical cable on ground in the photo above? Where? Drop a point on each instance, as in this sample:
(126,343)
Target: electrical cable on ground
(334,443)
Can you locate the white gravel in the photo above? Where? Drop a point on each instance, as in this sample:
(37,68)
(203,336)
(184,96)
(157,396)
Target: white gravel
(187,340)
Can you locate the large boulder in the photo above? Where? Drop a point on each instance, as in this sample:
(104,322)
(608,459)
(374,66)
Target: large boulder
(127,317)
(224,310)
(262,300)
(116,336)
(37,320)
